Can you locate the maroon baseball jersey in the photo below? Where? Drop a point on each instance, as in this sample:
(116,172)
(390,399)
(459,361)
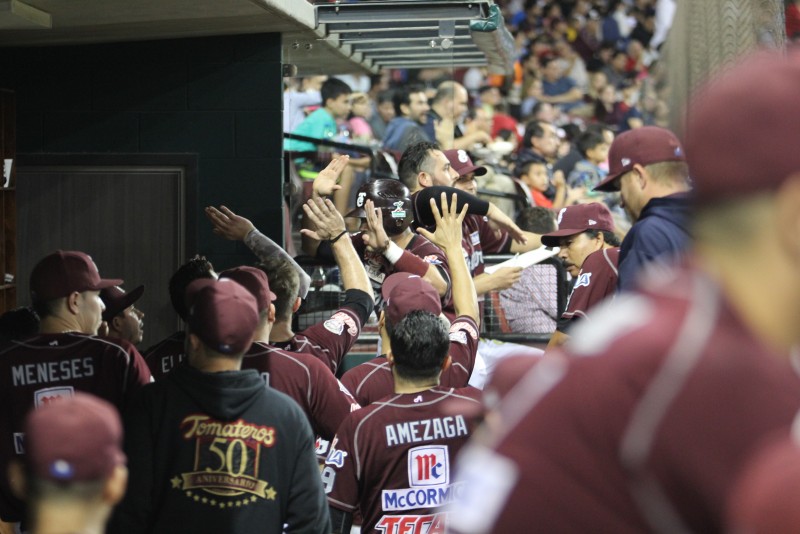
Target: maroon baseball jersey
(665,398)
(373,380)
(328,341)
(165,355)
(47,367)
(596,281)
(306,380)
(378,267)
(480,238)
(392,461)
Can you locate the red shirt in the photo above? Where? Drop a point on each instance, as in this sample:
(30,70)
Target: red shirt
(392,460)
(664,400)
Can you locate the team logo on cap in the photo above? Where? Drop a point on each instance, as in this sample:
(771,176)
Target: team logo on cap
(592,222)
(360,199)
(626,162)
(560,216)
(462,156)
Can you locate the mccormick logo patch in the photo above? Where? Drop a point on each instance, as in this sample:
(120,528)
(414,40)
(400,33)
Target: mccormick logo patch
(428,466)
(43,397)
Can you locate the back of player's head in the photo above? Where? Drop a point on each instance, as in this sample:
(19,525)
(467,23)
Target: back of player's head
(392,198)
(223,315)
(284,281)
(402,97)
(537,219)
(332,89)
(72,445)
(194,269)
(415,159)
(420,343)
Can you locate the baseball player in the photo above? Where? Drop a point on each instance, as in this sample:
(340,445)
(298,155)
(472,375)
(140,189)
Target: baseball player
(64,358)
(210,449)
(590,250)
(665,395)
(372,380)
(162,357)
(124,320)
(391,460)
(300,376)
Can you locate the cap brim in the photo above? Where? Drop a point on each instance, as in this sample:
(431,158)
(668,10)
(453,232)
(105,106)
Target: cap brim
(610,184)
(125,302)
(553,238)
(104,283)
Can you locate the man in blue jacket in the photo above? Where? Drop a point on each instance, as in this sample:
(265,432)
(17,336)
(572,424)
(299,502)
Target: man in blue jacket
(648,167)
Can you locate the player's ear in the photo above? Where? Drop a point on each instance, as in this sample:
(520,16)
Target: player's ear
(390,358)
(116,323)
(424,179)
(115,485)
(296,306)
(72,302)
(271,314)
(446,363)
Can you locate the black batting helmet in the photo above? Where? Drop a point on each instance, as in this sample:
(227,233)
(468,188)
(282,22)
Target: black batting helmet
(394,200)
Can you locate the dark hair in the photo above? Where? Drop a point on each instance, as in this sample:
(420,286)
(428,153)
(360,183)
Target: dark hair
(333,88)
(537,219)
(387,95)
(413,161)
(45,308)
(533,129)
(403,97)
(526,167)
(610,237)
(284,281)
(194,269)
(445,90)
(420,343)
(588,140)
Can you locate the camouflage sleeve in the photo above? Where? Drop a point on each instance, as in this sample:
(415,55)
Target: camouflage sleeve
(264,247)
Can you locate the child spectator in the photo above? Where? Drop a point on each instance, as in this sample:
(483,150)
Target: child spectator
(534,180)
(587,173)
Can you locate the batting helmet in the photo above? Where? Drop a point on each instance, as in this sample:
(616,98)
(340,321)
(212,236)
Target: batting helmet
(392,197)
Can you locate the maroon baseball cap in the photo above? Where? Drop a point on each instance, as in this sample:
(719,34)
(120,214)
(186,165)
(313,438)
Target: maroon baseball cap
(62,272)
(580,218)
(223,314)
(645,146)
(741,131)
(404,292)
(255,281)
(764,498)
(117,300)
(461,162)
(74,439)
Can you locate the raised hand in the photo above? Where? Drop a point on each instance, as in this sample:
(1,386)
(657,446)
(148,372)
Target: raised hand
(228,224)
(328,222)
(448,223)
(375,235)
(327,179)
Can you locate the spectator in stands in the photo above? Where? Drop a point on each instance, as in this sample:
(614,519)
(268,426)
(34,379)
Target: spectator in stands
(492,102)
(589,249)
(372,459)
(608,108)
(616,70)
(540,143)
(648,168)
(557,88)
(165,355)
(358,123)
(411,113)
(324,124)
(448,108)
(74,469)
(210,448)
(530,306)
(588,172)
(124,320)
(534,180)
(300,95)
(383,114)
(66,356)
(572,65)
